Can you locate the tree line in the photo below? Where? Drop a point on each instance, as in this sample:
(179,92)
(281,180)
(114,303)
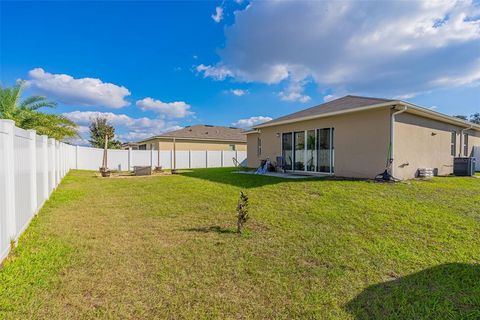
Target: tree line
(27,114)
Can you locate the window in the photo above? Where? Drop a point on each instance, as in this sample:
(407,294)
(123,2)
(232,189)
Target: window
(231,147)
(287,152)
(259,147)
(311,150)
(311,160)
(142,147)
(453,143)
(465,145)
(299,142)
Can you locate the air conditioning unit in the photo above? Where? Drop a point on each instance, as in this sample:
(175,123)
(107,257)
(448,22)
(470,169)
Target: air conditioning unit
(464,166)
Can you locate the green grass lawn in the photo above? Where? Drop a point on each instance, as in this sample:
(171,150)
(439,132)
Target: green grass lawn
(165,248)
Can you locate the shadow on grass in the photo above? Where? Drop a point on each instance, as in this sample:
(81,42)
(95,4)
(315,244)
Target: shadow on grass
(232,177)
(214,229)
(447,291)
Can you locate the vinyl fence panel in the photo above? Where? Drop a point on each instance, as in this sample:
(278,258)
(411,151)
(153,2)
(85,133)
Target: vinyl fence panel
(141,158)
(227,158)
(198,159)
(476,155)
(117,159)
(7,192)
(23,178)
(166,159)
(214,159)
(89,158)
(182,159)
(31,166)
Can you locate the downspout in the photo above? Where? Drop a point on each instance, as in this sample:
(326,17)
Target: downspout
(392,138)
(461,139)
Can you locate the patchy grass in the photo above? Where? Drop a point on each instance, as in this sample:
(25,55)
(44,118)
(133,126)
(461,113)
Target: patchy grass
(165,247)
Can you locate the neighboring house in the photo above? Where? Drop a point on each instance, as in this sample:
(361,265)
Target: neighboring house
(130,145)
(358,136)
(198,137)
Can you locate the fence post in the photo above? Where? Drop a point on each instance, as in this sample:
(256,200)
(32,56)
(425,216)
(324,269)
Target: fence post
(171,159)
(7,133)
(151,158)
(221,162)
(45,166)
(32,135)
(206,158)
(51,173)
(189,159)
(129,158)
(76,157)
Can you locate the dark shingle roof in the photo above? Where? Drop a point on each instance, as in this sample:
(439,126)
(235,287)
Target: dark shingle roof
(207,132)
(341,104)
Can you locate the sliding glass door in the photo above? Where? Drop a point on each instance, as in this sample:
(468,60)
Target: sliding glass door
(309,151)
(287,150)
(311,160)
(299,159)
(324,138)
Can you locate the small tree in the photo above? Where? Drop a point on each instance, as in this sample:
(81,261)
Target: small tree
(242,211)
(99,129)
(475,118)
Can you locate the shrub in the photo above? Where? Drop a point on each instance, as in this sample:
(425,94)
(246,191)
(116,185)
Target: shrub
(242,211)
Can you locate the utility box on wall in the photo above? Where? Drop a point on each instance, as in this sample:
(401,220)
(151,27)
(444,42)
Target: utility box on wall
(464,166)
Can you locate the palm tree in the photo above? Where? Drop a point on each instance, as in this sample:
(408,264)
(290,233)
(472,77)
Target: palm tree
(26,115)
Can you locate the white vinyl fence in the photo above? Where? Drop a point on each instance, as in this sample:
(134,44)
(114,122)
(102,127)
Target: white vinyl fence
(32,166)
(91,158)
(476,155)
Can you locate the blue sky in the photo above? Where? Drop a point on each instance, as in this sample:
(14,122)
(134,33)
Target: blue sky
(156,66)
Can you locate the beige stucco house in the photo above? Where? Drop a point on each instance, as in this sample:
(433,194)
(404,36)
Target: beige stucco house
(361,137)
(198,137)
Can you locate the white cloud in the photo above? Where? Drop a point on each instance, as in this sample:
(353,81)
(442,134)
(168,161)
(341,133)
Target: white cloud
(127,128)
(381,48)
(250,122)
(294,92)
(84,91)
(78,141)
(238,92)
(218,72)
(177,109)
(329,97)
(218,16)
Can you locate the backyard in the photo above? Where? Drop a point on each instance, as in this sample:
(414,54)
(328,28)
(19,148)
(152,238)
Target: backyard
(166,247)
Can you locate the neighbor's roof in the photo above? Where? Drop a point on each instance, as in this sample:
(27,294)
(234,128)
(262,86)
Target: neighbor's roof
(205,132)
(356,103)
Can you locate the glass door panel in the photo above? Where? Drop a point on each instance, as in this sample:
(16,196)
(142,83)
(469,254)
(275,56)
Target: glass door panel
(299,160)
(324,150)
(287,150)
(311,160)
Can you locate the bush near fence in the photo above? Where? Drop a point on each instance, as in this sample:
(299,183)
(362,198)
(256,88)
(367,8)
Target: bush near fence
(32,166)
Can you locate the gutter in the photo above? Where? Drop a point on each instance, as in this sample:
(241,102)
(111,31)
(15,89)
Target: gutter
(392,140)
(426,113)
(199,139)
(329,114)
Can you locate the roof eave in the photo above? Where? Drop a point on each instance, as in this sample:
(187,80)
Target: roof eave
(187,138)
(430,113)
(440,116)
(369,107)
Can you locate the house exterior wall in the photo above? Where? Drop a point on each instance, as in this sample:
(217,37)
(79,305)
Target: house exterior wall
(361,141)
(425,143)
(192,145)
